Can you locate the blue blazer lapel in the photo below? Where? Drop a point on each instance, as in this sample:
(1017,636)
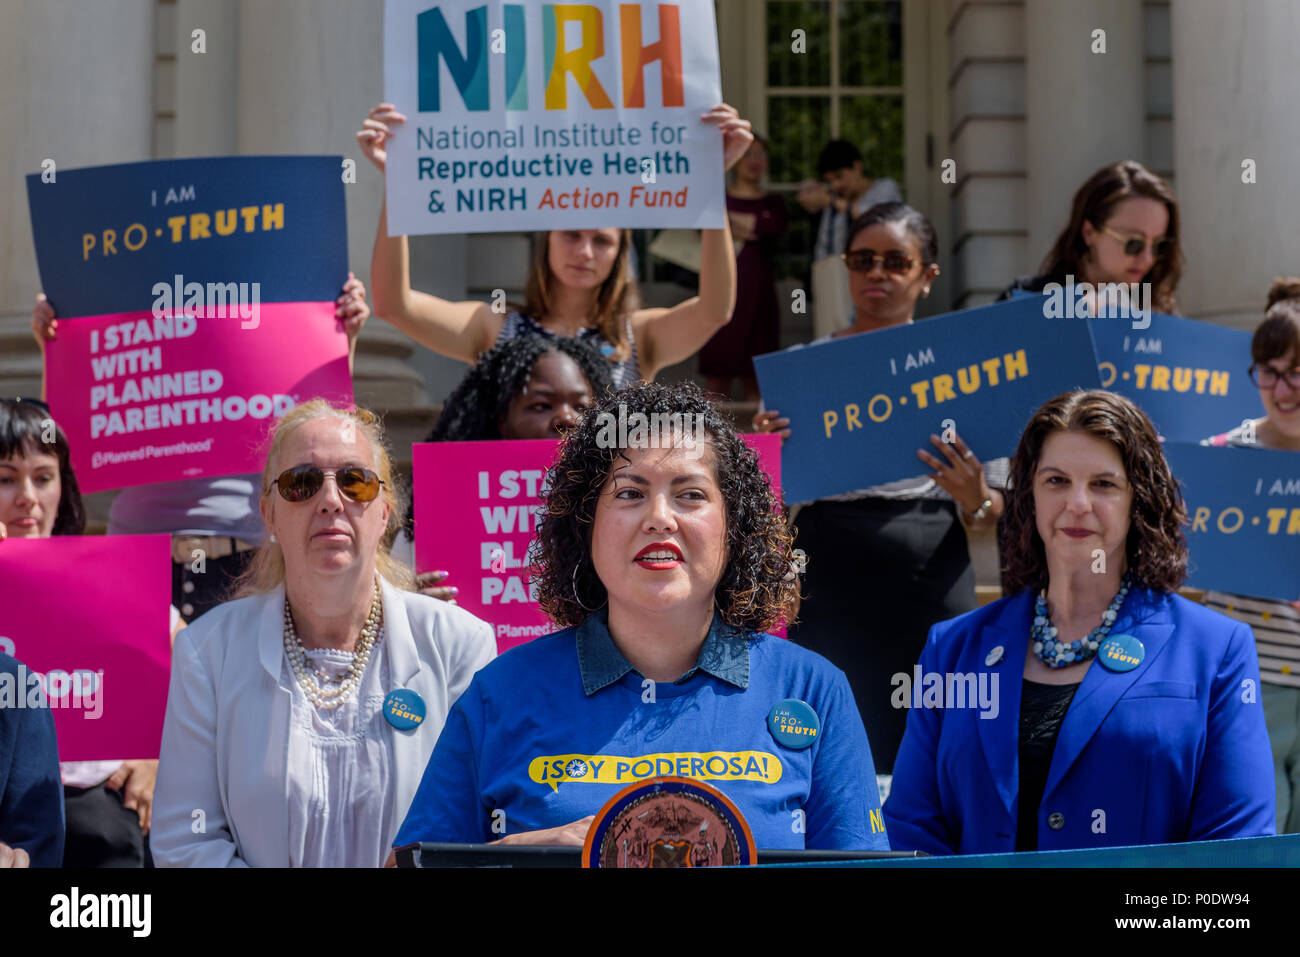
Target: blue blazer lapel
(1000,736)
(1144,615)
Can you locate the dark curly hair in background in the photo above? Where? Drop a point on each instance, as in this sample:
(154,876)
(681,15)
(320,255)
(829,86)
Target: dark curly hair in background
(475,409)
(1156,549)
(753,593)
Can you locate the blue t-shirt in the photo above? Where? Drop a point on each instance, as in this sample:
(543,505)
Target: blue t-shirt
(551,730)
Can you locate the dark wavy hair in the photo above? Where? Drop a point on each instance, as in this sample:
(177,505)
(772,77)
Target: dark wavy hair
(753,593)
(475,409)
(1156,548)
(1093,202)
(913,220)
(23,426)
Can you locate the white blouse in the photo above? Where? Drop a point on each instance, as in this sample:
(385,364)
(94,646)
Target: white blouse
(340,763)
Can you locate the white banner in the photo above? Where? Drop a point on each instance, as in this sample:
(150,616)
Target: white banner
(531,116)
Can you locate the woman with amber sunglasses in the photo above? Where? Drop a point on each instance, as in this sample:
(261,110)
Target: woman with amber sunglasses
(887,562)
(1123,229)
(301,715)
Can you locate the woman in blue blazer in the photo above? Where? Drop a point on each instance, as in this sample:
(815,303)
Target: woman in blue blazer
(1092,706)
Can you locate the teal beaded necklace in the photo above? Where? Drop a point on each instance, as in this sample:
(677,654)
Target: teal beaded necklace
(1058,654)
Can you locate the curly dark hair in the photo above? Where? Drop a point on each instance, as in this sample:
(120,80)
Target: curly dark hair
(757,588)
(1156,548)
(475,409)
(23,427)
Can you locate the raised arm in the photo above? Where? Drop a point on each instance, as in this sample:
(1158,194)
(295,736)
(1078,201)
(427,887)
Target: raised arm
(668,336)
(461,330)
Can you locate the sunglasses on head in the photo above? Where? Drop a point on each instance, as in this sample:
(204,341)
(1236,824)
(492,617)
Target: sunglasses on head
(864,260)
(1133,245)
(302,482)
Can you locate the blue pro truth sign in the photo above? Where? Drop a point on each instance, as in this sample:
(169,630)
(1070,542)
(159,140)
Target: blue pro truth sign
(861,406)
(1188,376)
(1244,506)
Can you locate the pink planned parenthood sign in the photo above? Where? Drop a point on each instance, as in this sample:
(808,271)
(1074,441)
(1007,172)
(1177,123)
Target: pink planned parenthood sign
(476,506)
(147,398)
(195,302)
(87,618)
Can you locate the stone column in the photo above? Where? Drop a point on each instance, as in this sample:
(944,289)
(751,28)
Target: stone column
(78,89)
(1235,94)
(308,71)
(1083,109)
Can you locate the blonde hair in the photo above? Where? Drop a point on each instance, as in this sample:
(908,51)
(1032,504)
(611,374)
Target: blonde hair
(266,570)
(615,300)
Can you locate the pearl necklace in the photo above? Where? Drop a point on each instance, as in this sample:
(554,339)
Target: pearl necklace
(328,698)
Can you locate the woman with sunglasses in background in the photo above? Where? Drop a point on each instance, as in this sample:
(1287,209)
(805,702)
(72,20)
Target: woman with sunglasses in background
(108,803)
(301,715)
(1275,351)
(1123,229)
(885,563)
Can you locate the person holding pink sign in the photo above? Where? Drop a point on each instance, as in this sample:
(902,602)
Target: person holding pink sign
(529,387)
(107,803)
(301,714)
(213,522)
(578,284)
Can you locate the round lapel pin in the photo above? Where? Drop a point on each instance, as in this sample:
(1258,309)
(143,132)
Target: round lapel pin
(794,723)
(1121,653)
(994,656)
(404,709)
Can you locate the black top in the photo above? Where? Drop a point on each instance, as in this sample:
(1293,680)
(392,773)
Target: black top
(1042,709)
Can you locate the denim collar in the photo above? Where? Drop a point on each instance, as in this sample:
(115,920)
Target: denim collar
(724,654)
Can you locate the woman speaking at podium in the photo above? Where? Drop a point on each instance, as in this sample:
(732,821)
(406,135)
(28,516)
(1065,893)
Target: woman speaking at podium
(668,560)
(1124,714)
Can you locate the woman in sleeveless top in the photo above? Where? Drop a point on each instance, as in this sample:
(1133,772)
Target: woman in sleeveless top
(578,283)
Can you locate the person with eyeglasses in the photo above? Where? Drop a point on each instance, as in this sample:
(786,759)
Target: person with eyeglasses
(106,804)
(1275,370)
(887,562)
(302,713)
(213,521)
(1123,229)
